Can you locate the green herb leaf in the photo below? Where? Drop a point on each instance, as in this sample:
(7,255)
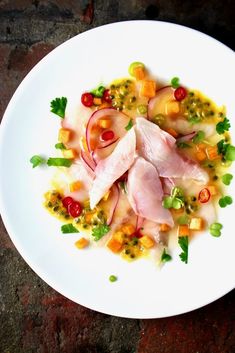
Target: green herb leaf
(183,220)
(60,146)
(177,192)
(58,106)
(227,178)
(183,145)
(223,126)
(177,203)
(175,82)
(99,231)
(194,119)
(199,137)
(113,278)
(222,147)
(98,92)
(230,153)
(59,162)
(225,201)
(165,257)
(167,202)
(37,160)
(183,243)
(129,125)
(68,228)
(215,229)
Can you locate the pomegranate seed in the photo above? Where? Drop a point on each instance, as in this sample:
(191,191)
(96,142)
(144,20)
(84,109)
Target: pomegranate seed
(180,93)
(106,96)
(136,234)
(87,99)
(107,135)
(74,209)
(67,201)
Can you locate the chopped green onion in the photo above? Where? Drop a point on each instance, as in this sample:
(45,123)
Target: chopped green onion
(215,229)
(167,202)
(230,153)
(199,137)
(36,160)
(177,203)
(59,162)
(183,220)
(225,201)
(129,125)
(142,109)
(227,178)
(133,66)
(165,257)
(175,82)
(60,146)
(113,278)
(177,192)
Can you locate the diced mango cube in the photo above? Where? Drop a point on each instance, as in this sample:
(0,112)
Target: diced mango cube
(82,243)
(69,153)
(64,135)
(139,73)
(75,186)
(164,227)
(114,245)
(196,223)
(119,236)
(212,189)
(97,101)
(148,89)
(146,241)
(105,123)
(200,155)
(172,107)
(212,153)
(183,230)
(128,229)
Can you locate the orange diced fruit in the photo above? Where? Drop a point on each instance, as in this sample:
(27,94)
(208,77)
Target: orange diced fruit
(212,153)
(164,227)
(97,101)
(105,123)
(200,155)
(119,236)
(148,89)
(82,243)
(172,107)
(114,245)
(128,229)
(104,105)
(75,186)
(201,146)
(172,132)
(196,223)
(146,241)
(212,189)
(64,135)
(139,73)
(183,230)
(69,153)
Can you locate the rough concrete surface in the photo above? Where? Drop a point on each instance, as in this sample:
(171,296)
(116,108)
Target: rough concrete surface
(33,317)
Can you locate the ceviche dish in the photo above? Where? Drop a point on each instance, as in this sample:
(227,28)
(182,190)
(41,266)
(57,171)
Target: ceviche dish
(141,166)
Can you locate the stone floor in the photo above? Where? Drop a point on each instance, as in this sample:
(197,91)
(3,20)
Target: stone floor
(33,317)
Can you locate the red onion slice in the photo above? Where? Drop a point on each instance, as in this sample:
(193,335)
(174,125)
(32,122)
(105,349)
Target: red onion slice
(113,206)
(139,222)
(85,157)
(187,137)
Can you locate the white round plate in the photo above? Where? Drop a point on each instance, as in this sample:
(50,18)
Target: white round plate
(28,128)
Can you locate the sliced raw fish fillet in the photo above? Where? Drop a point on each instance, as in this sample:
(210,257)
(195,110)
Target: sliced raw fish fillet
(158,147)
(108,170)
(144,192)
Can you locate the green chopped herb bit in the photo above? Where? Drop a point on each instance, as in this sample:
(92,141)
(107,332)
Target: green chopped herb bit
(183,243)
(227,178)
(225,201)
(167,202)
(230,153)
(183,145)
(183,220)
(165,257)
(58,106)
(215,229)
(129,125)
(60,146)
(176,200)
(59,162)
(68,228)
(133,66)
(177,192)
(194,119)
(98,92)
(175,82)
(199,137)
(113,278)
(36,160)
(142,109)
(99,231)
(223,126)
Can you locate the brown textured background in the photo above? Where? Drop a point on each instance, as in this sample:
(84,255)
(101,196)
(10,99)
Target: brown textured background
(33,317)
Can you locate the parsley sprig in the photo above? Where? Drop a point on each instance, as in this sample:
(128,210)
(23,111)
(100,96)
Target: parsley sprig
(183,243)
(99,231)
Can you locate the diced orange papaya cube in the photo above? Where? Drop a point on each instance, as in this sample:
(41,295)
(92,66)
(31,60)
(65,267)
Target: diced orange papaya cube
(148,88)
(139,73)
(114,245)
(172,107)
(183,230)
(128,229)
(212,153)
(105,123)
(200,155)
(213,190)
(82,243)
(64,135)
(164,227)
(75,185)
(70,153)
(146,241)
(104,105)
(196,223)
(119,236)
(97,101)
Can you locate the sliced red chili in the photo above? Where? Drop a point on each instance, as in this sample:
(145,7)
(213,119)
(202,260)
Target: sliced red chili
(180,93)
(87,99)
(137,234)
(106,96)
(107,135)
(204,195)
(75,209)
(67,201)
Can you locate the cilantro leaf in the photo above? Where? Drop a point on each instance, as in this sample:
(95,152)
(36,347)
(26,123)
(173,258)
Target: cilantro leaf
(222,147)
(60,146)
(99,231)
(37,160)
(68,228)
(183,243)
(223,126)
(129,125)
(175,82)
(58,106)
(199,137)
(165,257)
(59,162)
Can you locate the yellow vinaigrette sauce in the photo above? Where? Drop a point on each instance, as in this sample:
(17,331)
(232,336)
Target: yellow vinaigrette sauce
(193,114)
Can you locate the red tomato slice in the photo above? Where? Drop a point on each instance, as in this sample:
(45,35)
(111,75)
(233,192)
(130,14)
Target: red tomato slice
(67,201)
(204,195)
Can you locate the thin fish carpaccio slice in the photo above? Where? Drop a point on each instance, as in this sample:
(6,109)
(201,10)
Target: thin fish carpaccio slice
(158,147)
(110,169)
(144,192)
